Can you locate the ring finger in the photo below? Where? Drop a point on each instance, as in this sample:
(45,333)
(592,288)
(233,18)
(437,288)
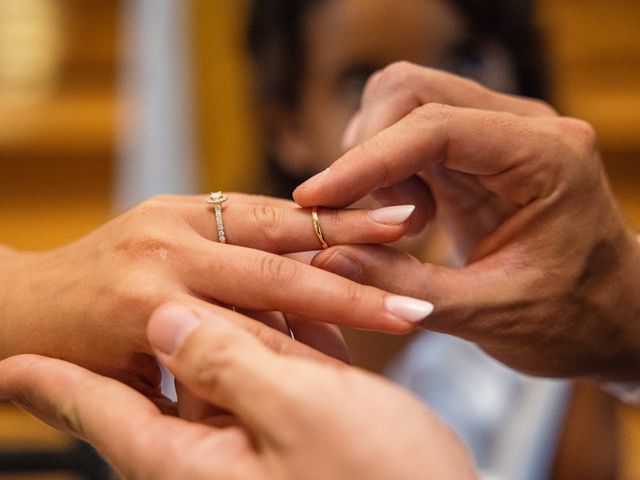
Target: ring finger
(284,230)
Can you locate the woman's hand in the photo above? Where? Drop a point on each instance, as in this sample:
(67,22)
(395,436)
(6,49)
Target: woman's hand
(551,272)
(289,418)
(88,302)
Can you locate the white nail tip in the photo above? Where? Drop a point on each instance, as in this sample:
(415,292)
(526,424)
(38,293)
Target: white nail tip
(408,309)
(392,215)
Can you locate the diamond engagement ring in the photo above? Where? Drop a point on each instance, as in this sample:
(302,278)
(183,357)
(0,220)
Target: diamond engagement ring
(217,199)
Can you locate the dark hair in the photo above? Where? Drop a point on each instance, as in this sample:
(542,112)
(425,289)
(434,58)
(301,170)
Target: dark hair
(512,23)
(276,42)
(276,35)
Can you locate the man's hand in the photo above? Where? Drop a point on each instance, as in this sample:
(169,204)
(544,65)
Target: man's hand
(284,417)
(551,273)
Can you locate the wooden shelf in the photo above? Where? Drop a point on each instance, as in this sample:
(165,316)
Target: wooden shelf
(73,123)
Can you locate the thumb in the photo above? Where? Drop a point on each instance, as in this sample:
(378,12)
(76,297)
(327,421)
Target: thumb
(224,365)
(465,300)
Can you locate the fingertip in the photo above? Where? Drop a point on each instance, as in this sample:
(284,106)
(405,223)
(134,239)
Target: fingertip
(301,193)
(169,327)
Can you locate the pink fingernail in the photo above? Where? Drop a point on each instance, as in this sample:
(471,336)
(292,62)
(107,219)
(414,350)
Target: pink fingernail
(408,309)
(392,215)
(170,326)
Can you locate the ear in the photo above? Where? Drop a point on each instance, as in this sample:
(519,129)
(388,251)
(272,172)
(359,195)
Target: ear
(288,142)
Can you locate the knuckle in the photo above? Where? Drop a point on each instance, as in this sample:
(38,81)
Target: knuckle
(583,132)
(542,107)
(399,73)
(396,76)
(277,269)
(268,221)
(432,112)
(353,295)
(579,142)
(337,221)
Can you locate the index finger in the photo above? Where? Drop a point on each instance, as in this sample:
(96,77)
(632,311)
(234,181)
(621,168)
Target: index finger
(495,145)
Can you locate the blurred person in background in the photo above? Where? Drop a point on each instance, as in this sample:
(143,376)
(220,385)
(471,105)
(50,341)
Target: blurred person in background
(560,286)
(312,60)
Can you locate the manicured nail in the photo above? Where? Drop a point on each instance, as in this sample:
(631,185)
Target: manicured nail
(342,265)
(392,215)
(170,326)
(408,309)
(313,181)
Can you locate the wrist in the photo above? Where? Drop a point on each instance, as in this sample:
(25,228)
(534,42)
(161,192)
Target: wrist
(623,313)
(13,276)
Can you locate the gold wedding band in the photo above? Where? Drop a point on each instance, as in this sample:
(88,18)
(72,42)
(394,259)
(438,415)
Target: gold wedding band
(217,199)
(317,228)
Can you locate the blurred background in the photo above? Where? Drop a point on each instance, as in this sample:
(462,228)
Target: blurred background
(104,103)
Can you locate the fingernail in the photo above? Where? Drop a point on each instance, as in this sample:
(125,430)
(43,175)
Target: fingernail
(170,326)
(342,265)
(408,309)
(392,215)
(349,137)
(313,181)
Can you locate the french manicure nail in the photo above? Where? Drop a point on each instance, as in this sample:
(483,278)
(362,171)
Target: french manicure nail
(392,215)
(313,180)
(408,309)
(170,326)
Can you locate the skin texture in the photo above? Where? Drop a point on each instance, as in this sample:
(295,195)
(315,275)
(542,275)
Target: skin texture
(551,272)
(89,302)
(309,424)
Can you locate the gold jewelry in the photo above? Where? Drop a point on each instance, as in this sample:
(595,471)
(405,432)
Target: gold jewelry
(217,199)
(317,228)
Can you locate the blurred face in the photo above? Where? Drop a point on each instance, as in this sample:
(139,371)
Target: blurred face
(346,41)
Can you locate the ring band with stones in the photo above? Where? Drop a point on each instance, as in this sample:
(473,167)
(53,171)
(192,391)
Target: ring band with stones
(217,199)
